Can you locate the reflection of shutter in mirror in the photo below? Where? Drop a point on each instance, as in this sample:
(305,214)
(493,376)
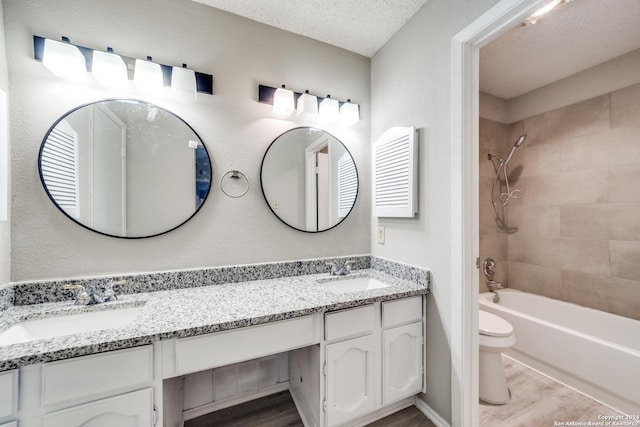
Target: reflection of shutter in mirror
(59,167)
(347,185)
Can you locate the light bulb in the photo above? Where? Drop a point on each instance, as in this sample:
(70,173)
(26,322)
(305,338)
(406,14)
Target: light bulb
(329,110)
(349,113)
(147,75)
(307,106)
(183,80)
(283,101)
(64,60)
(109,69)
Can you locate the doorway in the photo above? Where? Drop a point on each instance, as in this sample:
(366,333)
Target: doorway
(464,198)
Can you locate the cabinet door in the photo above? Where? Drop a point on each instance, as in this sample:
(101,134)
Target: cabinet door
(8,393)
(127,410)
(402,362)
(352,384)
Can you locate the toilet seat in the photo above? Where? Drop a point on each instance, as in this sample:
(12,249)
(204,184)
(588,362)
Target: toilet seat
(494,326)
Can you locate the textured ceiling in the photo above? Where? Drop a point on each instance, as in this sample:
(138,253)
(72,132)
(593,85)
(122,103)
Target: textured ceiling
(568,40)
(361,26)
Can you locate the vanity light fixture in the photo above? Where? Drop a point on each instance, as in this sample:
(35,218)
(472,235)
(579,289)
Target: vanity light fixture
(72,62)
(329,109)
(349,113)
(311,107)
(64,59)
(109,68)
(307,107)
(283,101)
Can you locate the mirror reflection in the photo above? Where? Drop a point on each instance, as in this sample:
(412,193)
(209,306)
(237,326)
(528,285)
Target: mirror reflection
(125,168)
(309,179)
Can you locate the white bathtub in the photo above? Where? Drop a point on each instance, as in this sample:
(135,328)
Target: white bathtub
(595,352)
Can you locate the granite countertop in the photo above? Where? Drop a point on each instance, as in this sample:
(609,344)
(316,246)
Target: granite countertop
(193,311)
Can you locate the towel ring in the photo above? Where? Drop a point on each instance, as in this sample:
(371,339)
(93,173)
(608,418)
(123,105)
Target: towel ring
(234,184)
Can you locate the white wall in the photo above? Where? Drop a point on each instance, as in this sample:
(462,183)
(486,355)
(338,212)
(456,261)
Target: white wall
(410,85)
(235,128)
(5,195)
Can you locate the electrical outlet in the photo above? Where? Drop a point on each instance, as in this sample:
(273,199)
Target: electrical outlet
(381,235)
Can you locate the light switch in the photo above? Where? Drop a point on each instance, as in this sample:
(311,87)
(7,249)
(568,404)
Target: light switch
(381,235)
(276,204)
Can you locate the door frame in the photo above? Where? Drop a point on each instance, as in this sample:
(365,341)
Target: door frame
(465,47)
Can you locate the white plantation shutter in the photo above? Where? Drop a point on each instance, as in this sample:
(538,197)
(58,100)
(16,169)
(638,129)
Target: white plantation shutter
(395,173)
(347,184)
(59,167)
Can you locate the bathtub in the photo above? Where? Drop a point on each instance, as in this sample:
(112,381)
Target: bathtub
(594,352)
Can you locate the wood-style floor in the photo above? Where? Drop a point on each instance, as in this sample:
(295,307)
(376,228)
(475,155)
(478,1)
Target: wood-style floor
(537,401)
(278,410)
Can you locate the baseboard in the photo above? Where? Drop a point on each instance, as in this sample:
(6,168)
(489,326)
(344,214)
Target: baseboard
(430,413)
(192,413)
(381,413)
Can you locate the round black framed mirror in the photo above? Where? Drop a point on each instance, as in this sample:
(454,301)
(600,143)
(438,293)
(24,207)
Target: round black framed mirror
(125,168)
(309,179)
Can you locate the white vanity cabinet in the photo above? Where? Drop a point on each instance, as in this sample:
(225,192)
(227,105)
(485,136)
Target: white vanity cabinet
(126,410)
(351,364)
(371,362)
(8,395)
(105,389)
(402,349)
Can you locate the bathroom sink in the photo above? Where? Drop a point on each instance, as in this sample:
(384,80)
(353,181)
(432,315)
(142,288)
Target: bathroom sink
(346,284)
(57,326)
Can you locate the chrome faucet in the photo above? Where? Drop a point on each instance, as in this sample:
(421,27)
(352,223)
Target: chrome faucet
(493,285)
(97,295)
(489,269)
(82,296)
(343,271)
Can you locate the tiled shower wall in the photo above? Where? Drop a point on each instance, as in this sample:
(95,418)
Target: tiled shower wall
(578,221)
(493,238)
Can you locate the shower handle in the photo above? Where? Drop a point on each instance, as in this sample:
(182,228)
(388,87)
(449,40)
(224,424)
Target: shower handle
(489,267)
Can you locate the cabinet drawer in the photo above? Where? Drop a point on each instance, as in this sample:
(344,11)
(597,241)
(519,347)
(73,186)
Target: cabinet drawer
(87,376)
(8,393)
(348,323)
(126,410)
(401,311)
(223,348)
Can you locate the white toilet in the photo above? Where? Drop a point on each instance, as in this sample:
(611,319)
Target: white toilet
(496,336)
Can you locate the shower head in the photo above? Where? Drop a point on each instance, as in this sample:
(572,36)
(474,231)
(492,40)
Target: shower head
(517,144)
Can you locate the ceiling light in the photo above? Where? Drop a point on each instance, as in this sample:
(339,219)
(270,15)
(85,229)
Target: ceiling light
(545,9)
(329,109)
(109,68)
(64,60)
(283,101)
(307,106)
(147,75)
(349,113)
